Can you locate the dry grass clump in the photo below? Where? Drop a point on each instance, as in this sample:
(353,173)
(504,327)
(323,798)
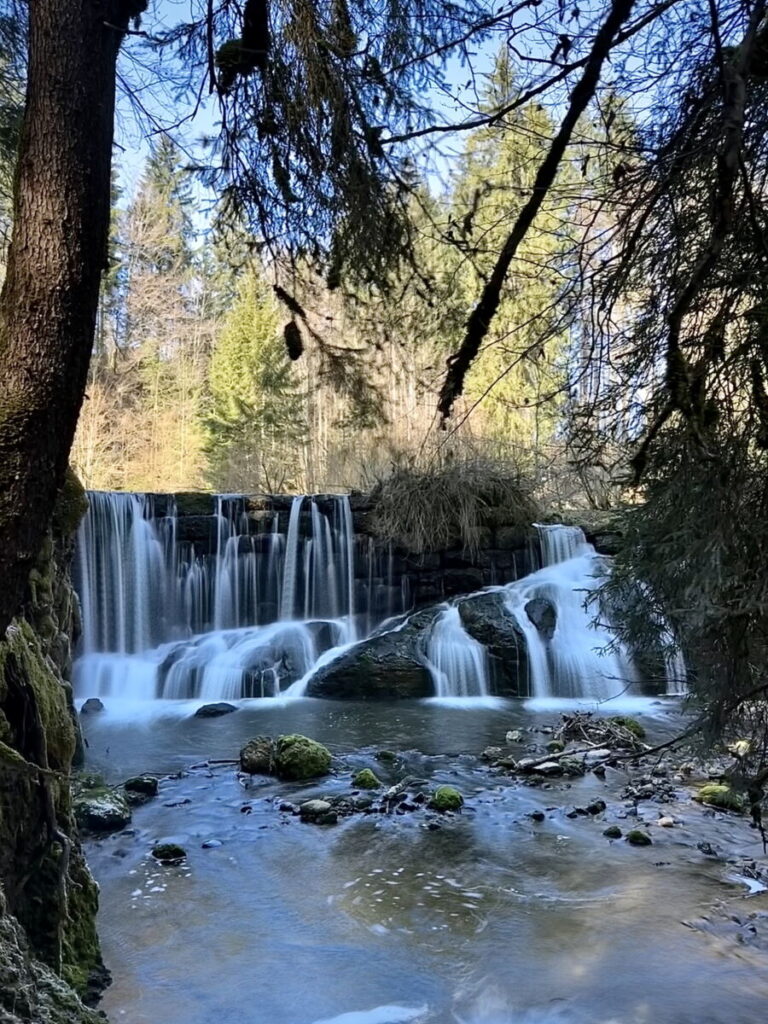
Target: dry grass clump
(452,504)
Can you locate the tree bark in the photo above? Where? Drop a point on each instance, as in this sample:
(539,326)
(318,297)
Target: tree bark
(57,253)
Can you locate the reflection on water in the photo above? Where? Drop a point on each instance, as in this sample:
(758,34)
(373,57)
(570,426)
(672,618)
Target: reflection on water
(490,919)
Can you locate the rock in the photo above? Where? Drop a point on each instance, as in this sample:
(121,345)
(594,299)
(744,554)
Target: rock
(214,710)
(212,844)
(386,666)
(612,832)
(485,617)
(101,810)
(666,822)
(537,815)
(257,756)
(314,810)
(145,784)
(365,779)
(91,705)
(719,795)
(593,756)
(596,807)
(549,768)
(514,736)
(636,837)
(543,615)
(387,756)
(168,853)
(140,789)
(298,757)
(446,798)
(555,746)
(492,753)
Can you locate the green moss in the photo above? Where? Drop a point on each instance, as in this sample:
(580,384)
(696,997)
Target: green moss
(298,757)
(446,798)
(365,779)
(24,646)
(636,837)
(717,794)
(386,756)
(71,506)
(555,746)
(631,724)
(612,832)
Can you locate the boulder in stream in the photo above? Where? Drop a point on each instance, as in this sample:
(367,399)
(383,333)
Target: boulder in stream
(101,810)
(257,756)
(446,798)
(485,617)
(386,666)
(298,757)
(215,710)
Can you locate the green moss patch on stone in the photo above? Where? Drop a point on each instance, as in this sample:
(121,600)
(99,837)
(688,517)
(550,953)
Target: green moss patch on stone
(298,757)
(636,837)
(446,798)
(365,779)
(718,794)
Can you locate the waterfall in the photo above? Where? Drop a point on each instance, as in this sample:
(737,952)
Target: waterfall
(457,662)
(209,606)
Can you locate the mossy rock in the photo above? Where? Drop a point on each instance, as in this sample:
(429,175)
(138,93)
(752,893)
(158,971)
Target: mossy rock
(612,832)
(631,725)
(257,756)
(636,837)
(386,756)
(718,794)
(555,746)
(168,853)
(365,779)
(71,505)
(446,798)
(101,810)
(298,757)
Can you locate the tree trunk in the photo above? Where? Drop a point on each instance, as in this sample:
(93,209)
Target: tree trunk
(58,250)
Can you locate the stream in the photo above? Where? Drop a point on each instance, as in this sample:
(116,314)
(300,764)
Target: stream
(485,917)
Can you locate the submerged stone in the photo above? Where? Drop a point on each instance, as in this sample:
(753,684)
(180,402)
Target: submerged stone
(446,798)
(365,779)
(93,704)
(636,837)
(168,853)
(215,710)
(298,757)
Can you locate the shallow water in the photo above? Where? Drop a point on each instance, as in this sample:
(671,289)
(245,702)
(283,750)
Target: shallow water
(491,919)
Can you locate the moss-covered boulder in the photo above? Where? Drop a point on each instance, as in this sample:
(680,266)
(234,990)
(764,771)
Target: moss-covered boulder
(612,832)
(101,810)
(257,756)
(365,779)
(140,789)
(718,794)
(636,837)
(298,757)
(446,798)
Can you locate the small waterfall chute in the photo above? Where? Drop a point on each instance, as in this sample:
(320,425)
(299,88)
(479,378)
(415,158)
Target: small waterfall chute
(457,662)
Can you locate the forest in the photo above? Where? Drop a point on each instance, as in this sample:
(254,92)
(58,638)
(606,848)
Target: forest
(383,448)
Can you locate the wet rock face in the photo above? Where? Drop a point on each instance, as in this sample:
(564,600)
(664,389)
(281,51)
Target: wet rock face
(485,618)
(543,615)
(387,666)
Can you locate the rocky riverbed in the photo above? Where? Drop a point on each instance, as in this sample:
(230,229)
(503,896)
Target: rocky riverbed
(533,900)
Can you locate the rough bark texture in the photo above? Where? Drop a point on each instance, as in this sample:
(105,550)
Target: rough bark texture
(49,300)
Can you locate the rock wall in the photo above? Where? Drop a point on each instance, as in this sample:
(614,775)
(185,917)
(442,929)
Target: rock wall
(504,553)
(49,949)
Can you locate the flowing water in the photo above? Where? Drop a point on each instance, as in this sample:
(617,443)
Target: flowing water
(486,917)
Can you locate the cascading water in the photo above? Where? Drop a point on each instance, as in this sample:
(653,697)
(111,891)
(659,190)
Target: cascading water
(162,618)
(575,656)
(249,602)
(458,663)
